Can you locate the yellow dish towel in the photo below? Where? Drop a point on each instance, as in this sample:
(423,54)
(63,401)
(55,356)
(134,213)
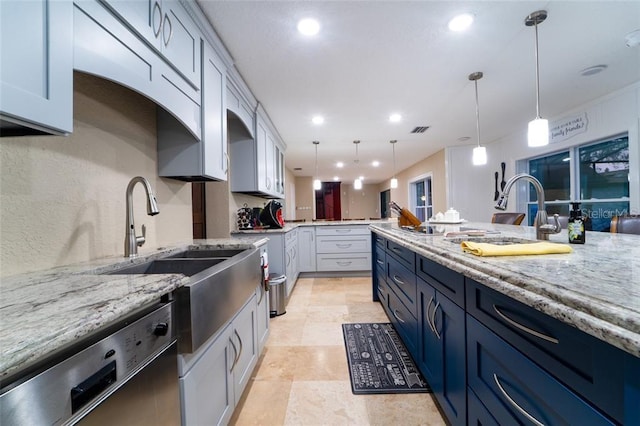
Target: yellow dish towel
(486,249)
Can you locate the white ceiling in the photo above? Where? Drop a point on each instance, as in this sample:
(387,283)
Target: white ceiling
(374,58)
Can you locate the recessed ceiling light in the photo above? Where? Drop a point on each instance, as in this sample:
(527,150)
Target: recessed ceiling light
(308,26)
(336,178)
(375,163)
(593,70)
(339,164)
(318,119)
(461,22)
(395,118)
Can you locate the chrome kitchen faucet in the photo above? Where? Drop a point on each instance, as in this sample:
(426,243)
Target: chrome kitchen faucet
(131,241)
(543,229)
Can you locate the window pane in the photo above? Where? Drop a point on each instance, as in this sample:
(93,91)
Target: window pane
(554,174)
(420,195)
(600,214)
(604,169)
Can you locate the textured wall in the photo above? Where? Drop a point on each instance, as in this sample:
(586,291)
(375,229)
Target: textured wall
(62,199)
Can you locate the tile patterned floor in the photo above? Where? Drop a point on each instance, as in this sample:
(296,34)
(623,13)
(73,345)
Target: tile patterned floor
(302,377)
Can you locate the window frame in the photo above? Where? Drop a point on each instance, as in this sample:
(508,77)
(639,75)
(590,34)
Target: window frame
(427,178)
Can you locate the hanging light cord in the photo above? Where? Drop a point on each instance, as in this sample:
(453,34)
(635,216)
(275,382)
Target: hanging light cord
(393,145)
(477,112)
(537,73)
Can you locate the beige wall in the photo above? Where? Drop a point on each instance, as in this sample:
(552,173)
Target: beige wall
(359,203)
(305,203)
(62,199)
(436,166)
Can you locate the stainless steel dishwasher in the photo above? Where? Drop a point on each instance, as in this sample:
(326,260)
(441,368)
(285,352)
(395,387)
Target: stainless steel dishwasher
(126,375)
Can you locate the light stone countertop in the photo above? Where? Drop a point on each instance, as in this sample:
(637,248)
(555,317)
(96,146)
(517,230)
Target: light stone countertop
(42,313)
(596,288)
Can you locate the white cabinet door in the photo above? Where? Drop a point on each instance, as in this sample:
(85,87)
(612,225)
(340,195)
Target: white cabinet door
(307,248)
(262,317)
(169,29)
(36,65)
(244,344)
(207,390)
(214,116)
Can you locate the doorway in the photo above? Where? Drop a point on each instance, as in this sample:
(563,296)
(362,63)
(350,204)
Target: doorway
(385,199)
(328,201)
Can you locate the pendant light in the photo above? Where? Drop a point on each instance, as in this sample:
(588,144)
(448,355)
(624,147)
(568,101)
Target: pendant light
(479,152)
(538,134)
(357,183)
(394,181)
(317,183)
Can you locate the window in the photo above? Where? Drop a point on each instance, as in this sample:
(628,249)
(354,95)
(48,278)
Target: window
(596,175)
(420,197)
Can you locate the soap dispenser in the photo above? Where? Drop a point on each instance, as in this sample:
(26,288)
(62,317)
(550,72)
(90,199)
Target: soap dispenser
(575,226)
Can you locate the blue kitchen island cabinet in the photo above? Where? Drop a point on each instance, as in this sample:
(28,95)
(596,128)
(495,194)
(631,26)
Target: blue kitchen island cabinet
(36,67)
(491,358)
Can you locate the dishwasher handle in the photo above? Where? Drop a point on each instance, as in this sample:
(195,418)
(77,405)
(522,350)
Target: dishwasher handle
(92,386)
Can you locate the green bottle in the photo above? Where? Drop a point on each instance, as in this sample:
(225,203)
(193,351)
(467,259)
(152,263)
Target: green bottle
(575,226)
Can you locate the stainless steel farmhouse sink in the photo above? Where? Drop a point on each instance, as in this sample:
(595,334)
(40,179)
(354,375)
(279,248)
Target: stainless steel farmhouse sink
(220,282)
(184,266)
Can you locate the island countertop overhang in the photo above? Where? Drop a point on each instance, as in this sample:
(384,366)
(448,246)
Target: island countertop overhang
(596,288)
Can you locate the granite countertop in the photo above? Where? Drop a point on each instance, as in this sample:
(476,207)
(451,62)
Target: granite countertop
(42,313)
(288,226)
(596,288)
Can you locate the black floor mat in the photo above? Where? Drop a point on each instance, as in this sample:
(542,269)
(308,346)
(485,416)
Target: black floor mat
(379,362)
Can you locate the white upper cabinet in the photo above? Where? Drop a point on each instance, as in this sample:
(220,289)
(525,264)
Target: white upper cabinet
(168,28)
(36,67)
(257,165)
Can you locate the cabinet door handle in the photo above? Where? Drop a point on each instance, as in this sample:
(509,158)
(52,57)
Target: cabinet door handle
(241,345)
(514,404)
(433,321)
(261,286)
(343,245)
(395,314)
(380,262)
(226,163)
(525,328)
(428,317)
(235,355)
(397,279)
(157,11)
(164,30)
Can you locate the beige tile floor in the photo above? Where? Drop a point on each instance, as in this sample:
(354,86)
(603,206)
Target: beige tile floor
(302,377)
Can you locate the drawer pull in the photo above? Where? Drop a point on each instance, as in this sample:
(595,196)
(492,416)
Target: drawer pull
(514,404)
(343,246)
(433,321)
(343,263)
(525,328)
(395,314)
(343,231)
(397,279)
(380,262)
(428,317)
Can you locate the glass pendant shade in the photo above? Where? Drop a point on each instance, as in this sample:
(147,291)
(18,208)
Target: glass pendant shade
(479,156)
(357,184)
(317,184)
(394,183)
(538,134)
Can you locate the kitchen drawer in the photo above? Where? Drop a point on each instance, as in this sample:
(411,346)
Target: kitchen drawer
(515,390)
(477,413)
(379,241)
(342,230)
(443,279)
(585,364)
(403,254)
(403,283)
(337,262)
(404,322)
(379,258)
(342,244)
(383,288)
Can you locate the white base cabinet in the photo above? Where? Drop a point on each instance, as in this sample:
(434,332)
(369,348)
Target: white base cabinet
(307,249)
(343,248)
(214,377)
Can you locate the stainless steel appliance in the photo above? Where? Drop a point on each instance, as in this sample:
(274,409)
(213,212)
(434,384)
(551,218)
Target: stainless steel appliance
(126,375)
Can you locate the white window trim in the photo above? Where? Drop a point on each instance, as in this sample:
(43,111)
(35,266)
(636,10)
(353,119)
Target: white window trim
(412,181)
